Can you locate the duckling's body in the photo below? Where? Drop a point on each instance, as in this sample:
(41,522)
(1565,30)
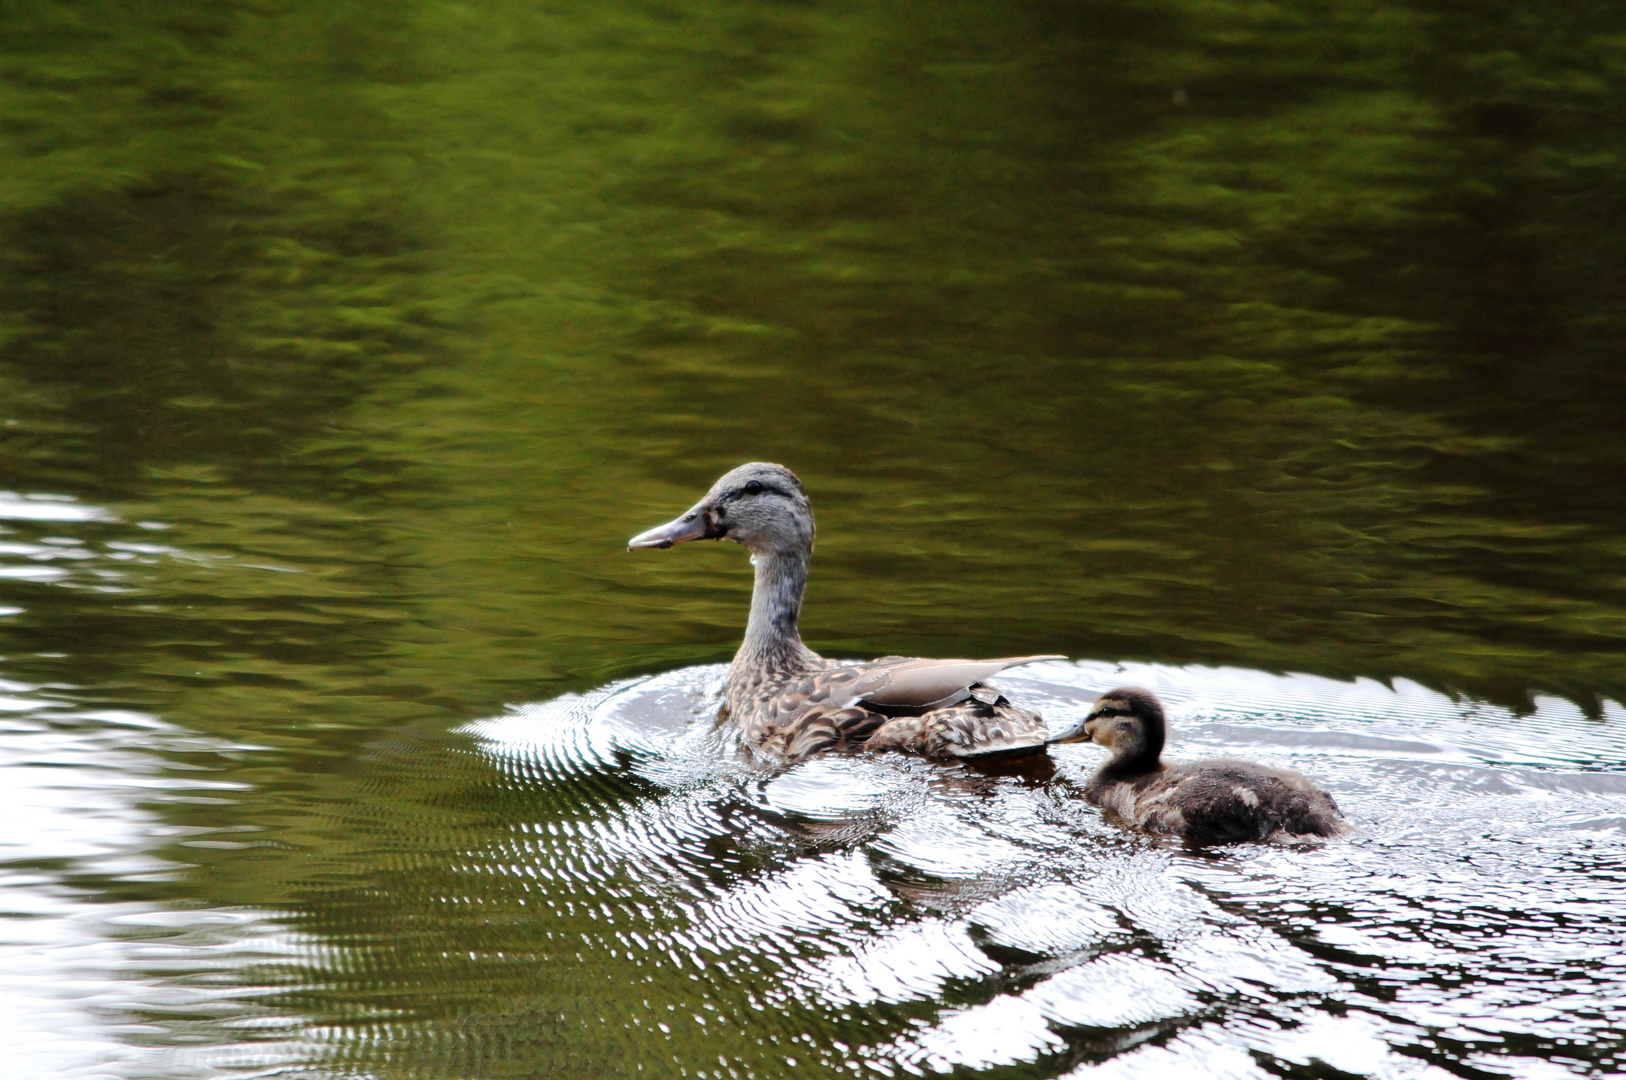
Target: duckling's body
(790,702)
(1204,802)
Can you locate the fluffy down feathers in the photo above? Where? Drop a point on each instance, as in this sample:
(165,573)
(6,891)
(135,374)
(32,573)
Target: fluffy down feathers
(1205,802)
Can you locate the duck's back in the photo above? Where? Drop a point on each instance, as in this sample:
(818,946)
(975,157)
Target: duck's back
(934,708)
(1221,802)
(985,725)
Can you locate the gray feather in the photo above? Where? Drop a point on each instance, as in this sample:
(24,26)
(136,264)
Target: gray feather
(931,683)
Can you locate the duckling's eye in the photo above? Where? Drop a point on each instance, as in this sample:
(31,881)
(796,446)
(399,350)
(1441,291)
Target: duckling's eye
(753,486)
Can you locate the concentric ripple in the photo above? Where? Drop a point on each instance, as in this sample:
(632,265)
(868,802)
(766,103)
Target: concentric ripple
(905,917)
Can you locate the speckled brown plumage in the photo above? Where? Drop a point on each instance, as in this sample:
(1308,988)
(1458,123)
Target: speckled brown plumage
(790,702)
(1204,802)
(790,716)
(984,725)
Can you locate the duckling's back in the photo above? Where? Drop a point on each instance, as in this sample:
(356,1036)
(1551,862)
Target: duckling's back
(1226,802)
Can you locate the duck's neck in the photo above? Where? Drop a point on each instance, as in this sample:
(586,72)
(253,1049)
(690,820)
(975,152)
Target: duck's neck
(771,637)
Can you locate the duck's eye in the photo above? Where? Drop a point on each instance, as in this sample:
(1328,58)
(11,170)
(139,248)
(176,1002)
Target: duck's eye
(753,486)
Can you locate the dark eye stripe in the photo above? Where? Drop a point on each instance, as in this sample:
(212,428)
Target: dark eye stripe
(761,489)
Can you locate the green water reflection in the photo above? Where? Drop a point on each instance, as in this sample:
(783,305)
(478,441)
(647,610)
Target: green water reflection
(1283,336)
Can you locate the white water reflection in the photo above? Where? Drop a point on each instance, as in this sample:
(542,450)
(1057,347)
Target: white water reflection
(92,988)
(48,507)
(1475,919)
(74,970)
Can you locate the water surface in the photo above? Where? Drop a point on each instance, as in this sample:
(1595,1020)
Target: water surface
(342,345)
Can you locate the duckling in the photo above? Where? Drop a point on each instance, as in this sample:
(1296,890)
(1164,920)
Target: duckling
(1204,802)
(787,700)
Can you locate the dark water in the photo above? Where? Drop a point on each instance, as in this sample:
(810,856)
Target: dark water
(343,345)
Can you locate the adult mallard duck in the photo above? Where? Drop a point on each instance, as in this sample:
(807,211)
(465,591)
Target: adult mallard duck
(1203,802)
(790,702)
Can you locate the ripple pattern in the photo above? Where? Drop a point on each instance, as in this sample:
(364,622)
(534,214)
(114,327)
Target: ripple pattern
(609,887)
(898,916)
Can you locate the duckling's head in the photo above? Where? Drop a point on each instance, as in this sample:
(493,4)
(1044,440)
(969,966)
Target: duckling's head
(1129,722)
(760,505)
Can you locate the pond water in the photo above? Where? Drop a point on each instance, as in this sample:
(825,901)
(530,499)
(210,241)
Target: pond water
(1268,355)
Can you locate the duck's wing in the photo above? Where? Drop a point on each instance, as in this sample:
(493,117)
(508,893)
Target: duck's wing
(833,707)
(836,687)
(819,711)
(984,725)
(928,684)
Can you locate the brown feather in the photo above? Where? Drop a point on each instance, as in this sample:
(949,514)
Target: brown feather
(969,730)
(809,716)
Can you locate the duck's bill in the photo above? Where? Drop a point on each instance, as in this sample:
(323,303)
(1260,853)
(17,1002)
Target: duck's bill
(691,526)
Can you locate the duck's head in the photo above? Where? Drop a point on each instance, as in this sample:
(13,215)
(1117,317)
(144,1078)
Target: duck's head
(760,505)
(1129,722)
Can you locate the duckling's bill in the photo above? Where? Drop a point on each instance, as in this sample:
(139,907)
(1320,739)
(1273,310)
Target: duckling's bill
(1077,729)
